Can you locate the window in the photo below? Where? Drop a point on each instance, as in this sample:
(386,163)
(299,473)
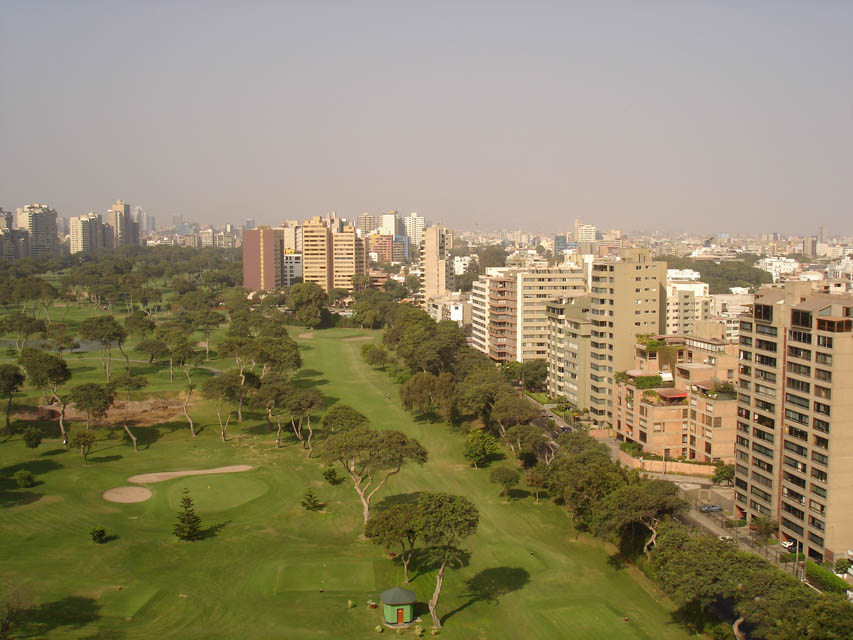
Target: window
(823,358)
(797,400)
(801,318)
(745,326)
(822,392)
(798,385)
(820,425)
(766,330)
(763,312)
(796,416)
(796,352)
(824,341)
(766,361)
(746,341)
(819,475)
(799,369)
(767,391)
(822,374)
(766,345)
(800,336)
(820,407)
(797,433)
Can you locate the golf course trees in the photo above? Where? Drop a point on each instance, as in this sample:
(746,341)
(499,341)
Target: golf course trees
(11,381)
(397,526)
(47,372)
(505,477)
(92,399)
(342,417)
(480,445)
(535,479)
(151,347)
(32,438)
(417,393)
(375,355)
(83,441)
(510,410)
(139,324)
(308,300)
(371,457)
(445,521)
(176,344)
(276,354)
(107,333)
(188,526)
(300,404)
(646,502)
(480,389)
(22,326)
(127,384)
(272,397)
(190,359)
(224,389)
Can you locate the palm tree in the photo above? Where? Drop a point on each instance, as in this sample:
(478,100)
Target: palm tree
(764,528)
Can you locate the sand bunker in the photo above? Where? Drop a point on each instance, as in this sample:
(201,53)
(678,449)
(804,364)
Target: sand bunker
(147,478)
(357,339)
(306,335)
(127,494)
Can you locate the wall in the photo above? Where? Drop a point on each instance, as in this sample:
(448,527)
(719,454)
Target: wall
(657,466)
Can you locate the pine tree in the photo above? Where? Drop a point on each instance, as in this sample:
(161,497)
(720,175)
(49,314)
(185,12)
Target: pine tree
(310,501)
(188,526)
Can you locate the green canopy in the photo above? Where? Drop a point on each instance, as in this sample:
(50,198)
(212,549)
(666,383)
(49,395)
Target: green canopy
(398,595)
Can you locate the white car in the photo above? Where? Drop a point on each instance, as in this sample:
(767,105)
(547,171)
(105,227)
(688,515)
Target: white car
(787,544)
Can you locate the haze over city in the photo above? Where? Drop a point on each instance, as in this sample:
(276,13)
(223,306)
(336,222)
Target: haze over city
(700,116)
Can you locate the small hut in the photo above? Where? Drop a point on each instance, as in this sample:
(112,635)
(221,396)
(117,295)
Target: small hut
(397,606)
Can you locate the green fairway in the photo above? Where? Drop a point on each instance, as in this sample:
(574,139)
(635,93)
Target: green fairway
(270,569)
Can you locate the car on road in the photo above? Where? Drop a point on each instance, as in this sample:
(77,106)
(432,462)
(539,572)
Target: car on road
(710,508)
(787,544)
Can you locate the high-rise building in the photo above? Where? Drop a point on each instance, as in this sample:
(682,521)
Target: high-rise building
(293,238)
(390,224)
(263,251)
(569,323)
(125,229)
(584,232)
(349,258)
(40,221)
(366,224)
(7,219)
(436,263)
(400,249)
(512,320)
(249,224)
(795,432)
(625,301)
(383,246)
(317,253)
(414,226)
(686,302)
(14,243)
(87,233)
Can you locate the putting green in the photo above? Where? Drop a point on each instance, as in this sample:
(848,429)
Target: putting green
(216,493)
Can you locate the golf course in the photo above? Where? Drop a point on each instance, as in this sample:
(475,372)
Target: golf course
(265,566)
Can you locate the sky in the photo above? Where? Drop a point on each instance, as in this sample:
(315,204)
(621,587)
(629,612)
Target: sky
(702,116)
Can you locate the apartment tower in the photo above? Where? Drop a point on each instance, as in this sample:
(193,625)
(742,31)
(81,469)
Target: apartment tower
(40,221)
(263,249)
(317,253)
(436,263)
(349,258)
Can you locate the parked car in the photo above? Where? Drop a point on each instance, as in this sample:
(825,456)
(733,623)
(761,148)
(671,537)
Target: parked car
(726,538)
(710,508)
(787,544)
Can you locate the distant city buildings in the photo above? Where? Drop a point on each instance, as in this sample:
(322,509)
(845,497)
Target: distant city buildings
(436,264)
(39,220)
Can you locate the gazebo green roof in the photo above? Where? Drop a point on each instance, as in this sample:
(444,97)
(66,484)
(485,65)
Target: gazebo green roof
(398,595)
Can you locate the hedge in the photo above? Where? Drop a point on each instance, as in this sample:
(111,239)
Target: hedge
(824,579)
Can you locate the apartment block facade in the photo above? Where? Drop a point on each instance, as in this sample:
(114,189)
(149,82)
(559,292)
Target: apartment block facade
(795,429)
(686,303)
(436,264)
(263,249)
(317,253)
(40,221)
(349,258)
(569,330)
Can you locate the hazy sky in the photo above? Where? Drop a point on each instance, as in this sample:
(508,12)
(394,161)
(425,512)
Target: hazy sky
(682,114)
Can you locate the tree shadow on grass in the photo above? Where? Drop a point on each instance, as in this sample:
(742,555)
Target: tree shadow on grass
(36,467)
(617,561)
(111,458)
(518,494)
(72,612)
(18,498)
(213,530)
(397,499)
(490,585)
(54,452)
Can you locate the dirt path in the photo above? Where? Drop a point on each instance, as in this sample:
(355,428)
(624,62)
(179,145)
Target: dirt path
(148,478)
(307,335)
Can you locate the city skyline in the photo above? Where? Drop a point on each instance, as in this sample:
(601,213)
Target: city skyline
(666,117)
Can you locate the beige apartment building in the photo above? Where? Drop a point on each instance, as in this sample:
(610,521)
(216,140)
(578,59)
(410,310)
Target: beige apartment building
(686,304)
(625,300)
(512,317)
(569,374)
(691,412)
(795,429)
(317,253)
(349,257)
(436,264)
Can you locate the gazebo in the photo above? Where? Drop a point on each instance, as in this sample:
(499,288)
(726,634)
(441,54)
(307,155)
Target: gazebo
(397,606)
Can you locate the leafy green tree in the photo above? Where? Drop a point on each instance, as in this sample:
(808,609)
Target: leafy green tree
(61,337)
(128,384)
(176,343)
(32,438)
(370,458)
(417,393)
(505,477)
(479,390)
(480,446)
(272,396)
(375,355)
(225,390)
(188,526)
(276,354)
(534,373)
(491,256)
(535,479)
(510,410)
(310,501)
(301,403)
(22,326)
(445,521)
(139,324)
(646,502)
(206,321)
(83,441)
(152,347)
(308,300)
(108,333)
(92,399)
(341,418)
(11,381)
(396,526)
(724,473)
(47,372)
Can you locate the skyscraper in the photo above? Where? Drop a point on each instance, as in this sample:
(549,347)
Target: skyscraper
(436,266)
(414,227)
(366,223)
(125,229)
(317,253)
(349,257)
(263,249)
(390,224)
(87,233)
(40,221)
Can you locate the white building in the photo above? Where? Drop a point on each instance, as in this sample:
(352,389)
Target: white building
(462,264)
(414,226)
(390,224)
(682,274)
(40,221)
(291,268)
(778,267)
(87,233)
(687,303)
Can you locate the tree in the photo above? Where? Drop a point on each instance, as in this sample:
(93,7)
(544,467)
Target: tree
(396,526)
(300,404)
(206,321)
(534,373)
(23,326)
(647,503)
(371,458)
(510,410)
(177,346)
(308,300)
(310,501)
(445,521)
(272,397)
(505,477)
(535,479)
(107,332)
(11,381)
(224,389)
(276,354)
(341,418)
(152,347)
(92,399)
(61,337)
(84,441)
(32,438)
(188,526)
(479,446)
(416,393)
(765,527)
(724,473)
(129,384)
(375,355)
(189,360)
(48,372)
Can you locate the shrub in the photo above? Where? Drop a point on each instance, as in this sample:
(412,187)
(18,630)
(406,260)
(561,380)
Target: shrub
(310,501)
(633,449)
(785,558)
(734,524)
(24,479)
(99,535)
(824,579)
(331,476)
(842,565)
(648,382)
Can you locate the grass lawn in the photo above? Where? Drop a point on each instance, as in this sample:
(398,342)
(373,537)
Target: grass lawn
(271,569)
